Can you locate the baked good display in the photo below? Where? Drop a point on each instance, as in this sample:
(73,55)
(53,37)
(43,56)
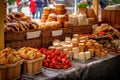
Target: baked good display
(61,18)
(60,6)
(17,21)
(52,17)
(66,24)
(46,10)
(44,17)
(82,47)
(9,56)
(29,53)
(60,12)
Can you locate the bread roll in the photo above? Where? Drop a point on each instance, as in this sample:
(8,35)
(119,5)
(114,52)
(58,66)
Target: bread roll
(46,10)
(60,6)
(52,17)
(44,18)
(61,18)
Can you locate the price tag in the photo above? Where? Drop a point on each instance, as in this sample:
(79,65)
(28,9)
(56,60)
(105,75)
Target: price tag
(35,34)
(57,32)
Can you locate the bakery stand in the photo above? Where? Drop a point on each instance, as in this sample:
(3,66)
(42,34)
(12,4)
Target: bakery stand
(2,16)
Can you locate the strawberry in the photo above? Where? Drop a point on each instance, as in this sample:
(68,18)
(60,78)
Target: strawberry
(67,61)
(63,63)
(59,58)
(57,67)
(66,67)
(53,55)
(48,60)
(46,64)
(48,56)
(54,62)
(51,65)
(63,59)
(63,55)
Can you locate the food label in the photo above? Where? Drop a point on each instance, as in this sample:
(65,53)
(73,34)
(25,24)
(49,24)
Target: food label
(57,32)
(35,34)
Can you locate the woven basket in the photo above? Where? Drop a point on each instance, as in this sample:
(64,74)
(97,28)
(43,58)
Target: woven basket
(10,72)
(14,36)
(32,67)
(81,29)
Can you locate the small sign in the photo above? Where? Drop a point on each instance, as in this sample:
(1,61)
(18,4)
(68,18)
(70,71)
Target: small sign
(35,34)
(57,32)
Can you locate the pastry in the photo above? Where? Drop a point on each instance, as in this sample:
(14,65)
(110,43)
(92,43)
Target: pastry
(60,6)
(87,55)
(44,18)
(61,18)
(46,10)
(66,24)
(52,17)
(60,12)
(81,47)
(81,55)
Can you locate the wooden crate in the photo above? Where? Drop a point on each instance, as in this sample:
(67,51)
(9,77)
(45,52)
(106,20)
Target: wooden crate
(111,17)
(49,35)
(32,39)
(15,36)
(81,29)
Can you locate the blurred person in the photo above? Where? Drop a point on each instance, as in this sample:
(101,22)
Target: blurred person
(89,3)
(39,6)
(19,5)
(46,3)
(33,8)
(103,3)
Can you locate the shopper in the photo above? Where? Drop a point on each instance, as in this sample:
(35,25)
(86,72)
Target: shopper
(19,5)
(33,8)
(103,3)
(39,6)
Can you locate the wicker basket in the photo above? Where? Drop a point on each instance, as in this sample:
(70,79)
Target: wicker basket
(81,29)
(32,38)
(15,36)
(49,35)
(10,72)
(32,67)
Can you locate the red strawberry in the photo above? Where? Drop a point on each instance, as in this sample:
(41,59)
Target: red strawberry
(59,58)
(63,55)
(63,63)
(53,55)
(67,61)
(66,67)
(57,67)
(48,60)
(46,64)
(54,62)
(63,59)
(51,65)
(70,64)
(48,56)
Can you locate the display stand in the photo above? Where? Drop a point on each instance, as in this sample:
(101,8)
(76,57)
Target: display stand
(2,16)
(96,6)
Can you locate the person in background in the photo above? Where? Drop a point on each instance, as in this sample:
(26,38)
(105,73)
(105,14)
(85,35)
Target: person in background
(89,3)
(103,3)
(33,8)
(39,6)
(19,5)
(53,2)
(46,3)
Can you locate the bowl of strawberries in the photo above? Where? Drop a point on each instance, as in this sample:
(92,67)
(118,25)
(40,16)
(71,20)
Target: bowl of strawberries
(55,60)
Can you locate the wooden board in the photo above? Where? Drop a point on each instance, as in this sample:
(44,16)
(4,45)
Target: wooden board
(2,16)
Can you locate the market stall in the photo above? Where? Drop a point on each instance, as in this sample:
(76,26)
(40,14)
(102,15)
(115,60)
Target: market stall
(60,46)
